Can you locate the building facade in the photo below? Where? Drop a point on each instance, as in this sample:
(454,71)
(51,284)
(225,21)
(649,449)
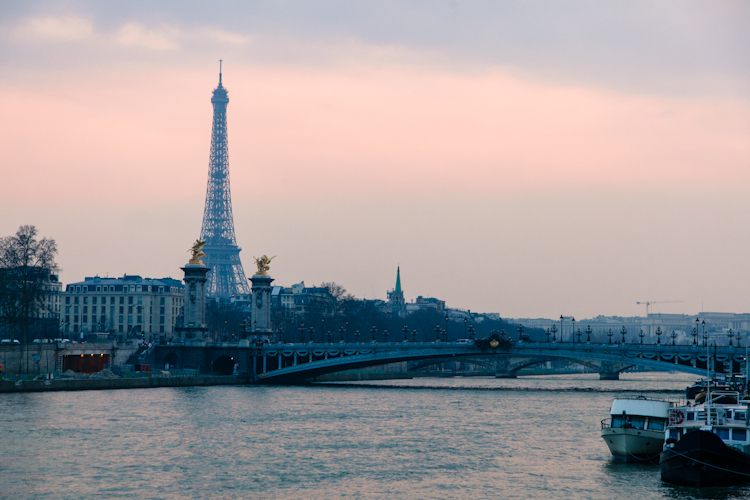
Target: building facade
(126,307)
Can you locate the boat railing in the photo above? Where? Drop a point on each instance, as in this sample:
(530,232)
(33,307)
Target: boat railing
(606,423)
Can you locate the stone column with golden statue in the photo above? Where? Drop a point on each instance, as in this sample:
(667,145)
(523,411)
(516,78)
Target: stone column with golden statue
(193,327)
(261,297)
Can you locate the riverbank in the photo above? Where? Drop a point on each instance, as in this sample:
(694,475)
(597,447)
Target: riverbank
(7,386)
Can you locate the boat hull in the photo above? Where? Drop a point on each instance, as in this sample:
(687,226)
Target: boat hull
(700,458)
(633,445)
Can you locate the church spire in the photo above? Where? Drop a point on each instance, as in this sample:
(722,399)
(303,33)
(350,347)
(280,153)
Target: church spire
(398,280)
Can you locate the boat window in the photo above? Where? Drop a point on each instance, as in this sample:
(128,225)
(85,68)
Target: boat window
(739,434)
(617,421)
(674,433)
(655,424)
(690,415)
(739,415)
(637,422)
(722,433)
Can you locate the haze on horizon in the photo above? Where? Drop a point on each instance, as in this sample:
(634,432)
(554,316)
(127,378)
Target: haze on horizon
(527,158)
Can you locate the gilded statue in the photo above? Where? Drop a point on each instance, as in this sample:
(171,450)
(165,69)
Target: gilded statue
(197,251)
(263,266)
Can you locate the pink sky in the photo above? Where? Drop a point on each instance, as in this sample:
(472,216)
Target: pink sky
(494,187)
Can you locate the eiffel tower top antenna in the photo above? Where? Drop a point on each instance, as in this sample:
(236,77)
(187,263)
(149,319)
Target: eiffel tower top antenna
(219,71)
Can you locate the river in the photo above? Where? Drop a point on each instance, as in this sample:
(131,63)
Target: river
(441,438)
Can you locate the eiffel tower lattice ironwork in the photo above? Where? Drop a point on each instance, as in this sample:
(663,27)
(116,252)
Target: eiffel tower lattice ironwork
(226,277)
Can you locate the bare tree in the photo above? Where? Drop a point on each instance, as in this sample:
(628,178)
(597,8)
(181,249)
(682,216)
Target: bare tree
(26,265)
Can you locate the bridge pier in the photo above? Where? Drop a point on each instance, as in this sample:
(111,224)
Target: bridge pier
(609,375)
(503,368)
(506,375)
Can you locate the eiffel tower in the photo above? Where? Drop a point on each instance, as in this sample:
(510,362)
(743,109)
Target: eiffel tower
(226,277)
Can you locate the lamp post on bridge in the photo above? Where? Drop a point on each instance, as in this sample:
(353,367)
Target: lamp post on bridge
(561,327)
(641,335)
(301,333)
(730,334)
(312,333)
(674,336)
(610,335)
(437,333)
(623,331)
(658,335)
(579,335)
(347,331)
(406,333)
(695,335)
(738,337)
(520,333)
(385,336)
(573,329)
(547,335)
(446,326)
(465,321)
(471,332)
(356,336)
(322,330)
(554,332)
(374,331)
(341,331)
(705,337)
(588,333)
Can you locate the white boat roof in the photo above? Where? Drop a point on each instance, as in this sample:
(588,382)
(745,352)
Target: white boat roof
(641,407)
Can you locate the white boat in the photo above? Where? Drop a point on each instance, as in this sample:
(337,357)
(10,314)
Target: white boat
(635,430)
(708,443)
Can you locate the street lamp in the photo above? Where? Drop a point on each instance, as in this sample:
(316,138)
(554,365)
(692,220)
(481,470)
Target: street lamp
(641,335)
(385,336)
(730,334)
(311,330)
(610,335)
(520,333)
(573,328)
(406,333)
(579,335)
(738,336)
(465,321)
(437,333)
(341,331)
(695,335)
(356,336)
(547,335)
(561,328)
(322,330)
(446,326)
(623,331)
(554,332)
(374,331)
(674,336)
(705,337)
(659,333)
(588,333)
(471,332)
(301,333)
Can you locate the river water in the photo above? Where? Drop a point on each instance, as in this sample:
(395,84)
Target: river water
(463,438)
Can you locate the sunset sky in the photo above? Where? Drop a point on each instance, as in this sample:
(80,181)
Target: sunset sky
(527,158)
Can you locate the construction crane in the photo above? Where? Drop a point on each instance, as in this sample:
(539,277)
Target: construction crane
(648,304)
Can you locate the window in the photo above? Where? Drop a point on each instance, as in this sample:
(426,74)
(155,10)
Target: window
(85,300)
(161,310)
(739,415)
(75,309)
(140,301)
(161,329)
(161,290)
(674,433)
(93,310)
(93,300)
(691,415)
(130,300)
(122,300)
(111,300)
(67,318)
(85,309)
(739,434)
(75,300)
(130,309)
(722,433)
(98,289)
(617,421)
(67,300)
(111,310)
(161,322)
(119,328)
(67,309)
(161,301)
(655,424)
(122,309)
(138,288)
(85,319)
(130,319)
(120,321)
(139,319)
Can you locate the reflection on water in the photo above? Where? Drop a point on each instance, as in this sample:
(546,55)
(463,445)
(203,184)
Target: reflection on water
(424,438)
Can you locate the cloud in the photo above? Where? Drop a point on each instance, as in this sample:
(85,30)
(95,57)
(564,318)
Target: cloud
(60,28)
(138,35)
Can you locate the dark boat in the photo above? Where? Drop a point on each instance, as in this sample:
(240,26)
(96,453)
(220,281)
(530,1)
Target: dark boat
(700,458)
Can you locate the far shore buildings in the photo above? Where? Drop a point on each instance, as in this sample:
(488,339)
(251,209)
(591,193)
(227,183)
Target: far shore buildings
(127,306)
